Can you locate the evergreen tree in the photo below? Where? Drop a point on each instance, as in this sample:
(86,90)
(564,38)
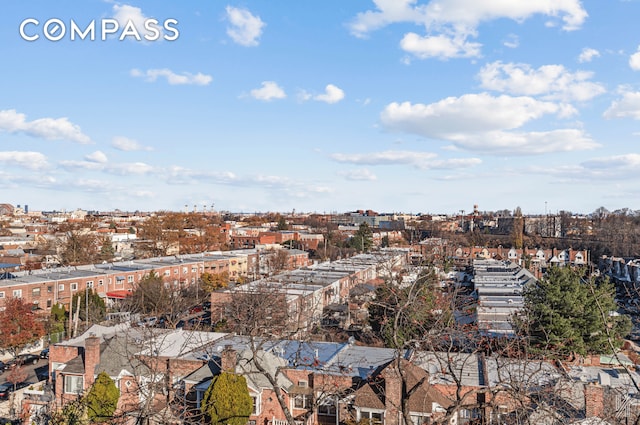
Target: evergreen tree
(566,313)
(97,308)
(102,399)
(362,240)
(227,400)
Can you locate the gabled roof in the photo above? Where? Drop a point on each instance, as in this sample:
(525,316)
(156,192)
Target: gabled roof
(270,363)
(75,366)
(205,373)
(117,357)
(367,396)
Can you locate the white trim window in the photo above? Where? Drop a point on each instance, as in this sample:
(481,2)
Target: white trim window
(73,384)
(302,401)
(372,417)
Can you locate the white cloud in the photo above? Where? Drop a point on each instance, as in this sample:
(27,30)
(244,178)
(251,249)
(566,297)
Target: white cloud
(131,168)
(588,54)
(421,160)
(332,94)
(172,78)
(82,165)
(549,81)
(268,91)
(385,158)
(484,123)
(47,128)
(439,46)
(30,160)
(360,174)
(616,162)
(128,145)
(97,156)
(125,13)
(128,15)
(626,107)
(634,60)
(450,22)
(611,168)
(180,175)
(512,41)
(245,28)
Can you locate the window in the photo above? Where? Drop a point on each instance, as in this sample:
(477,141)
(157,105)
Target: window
(327,408)
(256,405)
(90,284)
(17,293)
(61,287)
(73,384)
(167,272)
(48,303)
(50,289)
(301,401)
(74,286)
(100,282)
(35,292)
(373,418)
(130,278)
(2,294)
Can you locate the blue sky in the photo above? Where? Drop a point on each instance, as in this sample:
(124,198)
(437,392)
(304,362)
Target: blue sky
(390,105)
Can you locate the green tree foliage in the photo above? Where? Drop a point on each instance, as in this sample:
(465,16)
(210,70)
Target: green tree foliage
(106,250)
(97,307)
(567,313)
(227,400)
(19,326)
(401,314)
(282,224)
(362,240)
(102,399)
(57,322)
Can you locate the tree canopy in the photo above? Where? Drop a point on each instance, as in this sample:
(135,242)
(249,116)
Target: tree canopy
(567,313)
(401,313)
(19,326)
(102,399)
(227,400)
(362,240)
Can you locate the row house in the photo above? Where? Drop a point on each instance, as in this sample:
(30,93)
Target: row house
(326,383)
(499,286)
(621,269)
(112,281)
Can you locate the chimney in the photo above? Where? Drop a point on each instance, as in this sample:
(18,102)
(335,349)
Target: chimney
(228,359)
(594,400)
(393,393)
(91,358)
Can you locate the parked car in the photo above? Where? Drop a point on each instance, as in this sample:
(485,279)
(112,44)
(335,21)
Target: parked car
(44,354)
(3,366)
(23,359)
(148,321)
(7,388)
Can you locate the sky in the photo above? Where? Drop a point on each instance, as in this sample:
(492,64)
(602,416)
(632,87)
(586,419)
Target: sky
(407,106)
